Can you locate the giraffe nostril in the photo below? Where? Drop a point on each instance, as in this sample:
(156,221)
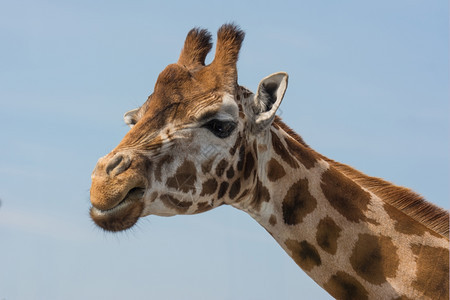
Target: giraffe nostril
(118,164)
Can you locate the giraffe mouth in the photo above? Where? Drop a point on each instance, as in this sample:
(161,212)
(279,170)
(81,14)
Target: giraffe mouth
(123,215)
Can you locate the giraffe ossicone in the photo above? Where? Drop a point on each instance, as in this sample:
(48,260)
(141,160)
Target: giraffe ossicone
(201,140)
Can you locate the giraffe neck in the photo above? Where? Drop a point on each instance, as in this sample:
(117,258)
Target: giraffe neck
(346,238)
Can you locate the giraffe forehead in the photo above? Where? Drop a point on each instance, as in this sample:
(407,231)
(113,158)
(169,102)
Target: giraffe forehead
(184,96)
(227,108)
(180,95)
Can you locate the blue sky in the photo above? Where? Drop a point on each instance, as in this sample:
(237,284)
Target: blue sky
(368,87)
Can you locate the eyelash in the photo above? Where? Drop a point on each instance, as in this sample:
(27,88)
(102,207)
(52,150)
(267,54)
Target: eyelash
(221,129)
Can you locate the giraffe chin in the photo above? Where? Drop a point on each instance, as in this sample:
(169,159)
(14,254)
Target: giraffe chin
(123,216)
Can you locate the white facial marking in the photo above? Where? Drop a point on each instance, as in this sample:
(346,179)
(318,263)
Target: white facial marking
(229,108)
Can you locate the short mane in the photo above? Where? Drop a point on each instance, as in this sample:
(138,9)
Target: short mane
(407,201)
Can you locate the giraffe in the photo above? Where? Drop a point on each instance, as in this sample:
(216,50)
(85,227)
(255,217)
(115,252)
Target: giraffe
(201,141)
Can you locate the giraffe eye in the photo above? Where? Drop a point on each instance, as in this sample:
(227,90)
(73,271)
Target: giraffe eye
(221,129)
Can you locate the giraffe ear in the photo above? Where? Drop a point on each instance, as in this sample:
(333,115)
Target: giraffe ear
(130,117)
(268,98)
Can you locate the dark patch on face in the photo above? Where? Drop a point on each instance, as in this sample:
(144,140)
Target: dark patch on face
(374,258)
(344,286)
(166,159)
(221,166)
(235,188)
(261,194)
(282,152)
(304,254)
(238,142)
(298,203)
(303,154)
(275,171)
(209,187)
(173,202)
(202,207)
(249,164)
(240,164)
(223,189)
(273,220)
(432,271)
(207,165)
(184,178)
(405,224)
(345,196)
(230,172)
(327,234)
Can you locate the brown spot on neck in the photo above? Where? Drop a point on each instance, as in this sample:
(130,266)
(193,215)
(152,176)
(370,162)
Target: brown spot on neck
(249,165)
(401,198)
(344,286)
(432,271)
(406,224)
(304,254)
(304,154)
(279,149)
(345,196)
(374,258)
(327,235)
(275,171)
(298,203)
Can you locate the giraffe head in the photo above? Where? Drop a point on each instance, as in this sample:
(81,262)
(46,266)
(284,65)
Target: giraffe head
(191,146)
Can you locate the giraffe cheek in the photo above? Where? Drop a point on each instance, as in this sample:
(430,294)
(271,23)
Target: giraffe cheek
(184,178)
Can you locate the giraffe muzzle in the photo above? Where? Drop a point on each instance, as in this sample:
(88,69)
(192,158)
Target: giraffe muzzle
(119,182)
